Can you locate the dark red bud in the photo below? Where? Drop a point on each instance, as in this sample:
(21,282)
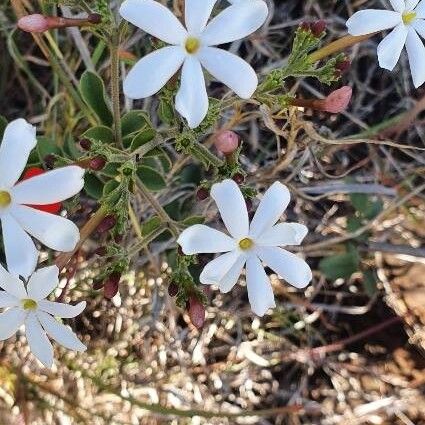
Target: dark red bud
(98,284)
(305,26)
(94,18)
(238,178)
(343,66)
(202,194)
(196,312)
(248,203)
(97,163)
(50,160)
(85,144)
(111,285)
(180,250)
(318,27)
(101,251)
(173,289)
(107,224)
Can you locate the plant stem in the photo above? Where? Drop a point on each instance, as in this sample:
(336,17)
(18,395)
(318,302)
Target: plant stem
(201,152)
(162,214)
(338,45)
(115,89)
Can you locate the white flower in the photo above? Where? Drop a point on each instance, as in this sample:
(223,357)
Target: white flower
(192,48)
(408,20)
(249,244)
(30,307)
(17,218)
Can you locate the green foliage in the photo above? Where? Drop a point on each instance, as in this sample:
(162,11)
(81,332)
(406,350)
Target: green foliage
(341,265)
(93,93)
(152,179)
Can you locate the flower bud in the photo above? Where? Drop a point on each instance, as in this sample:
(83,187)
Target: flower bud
(107,224)
(101,251)
(238,178)
(343,66)
(318,27)
(202,194)
(85,144)
(49,161)
(94,18)
(111,285)
(196,312)
(338,100)
(97,164)
(98,284)
(33,23)
(173,289)
(226,142)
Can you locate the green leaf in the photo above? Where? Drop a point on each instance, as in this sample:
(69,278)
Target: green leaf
(135,122)
(93,186)
(151,178)
(373,209)
(369,282)
(360,202)
(195,219)
(46,146)
(3,125)
(70,147)
(93,93)
(150,225)
(142,138)
(110,186)
(100,134)
(340,266)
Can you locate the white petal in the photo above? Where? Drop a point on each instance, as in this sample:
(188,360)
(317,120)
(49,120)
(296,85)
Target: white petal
(7,300)
(42,282)
(260,292)
(371,20)
(272,206)
(48,188)
(230,70)
(55,232)
(389,49)
(287,265)
(151,72)
(37,340)
(10,321)
(232,207)
(398,5)
(64,311)
(12,284)
(18,141)
(21,253)
(283,234)
(201,239)
(411,4)
(420,9)
(419,26)
(197,14)
(192,98)
(416,52)
(155,19)
(60,333)
(235,22)
(224,271)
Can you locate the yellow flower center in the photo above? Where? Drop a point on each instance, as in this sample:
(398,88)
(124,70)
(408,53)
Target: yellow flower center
(246,244)
(192,45)
(5,199)
(409,17)
(29,304)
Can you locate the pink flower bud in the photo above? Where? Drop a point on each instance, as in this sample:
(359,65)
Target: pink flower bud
(226,142)
(338,100)
(196,312)
(33,23)
(111,285)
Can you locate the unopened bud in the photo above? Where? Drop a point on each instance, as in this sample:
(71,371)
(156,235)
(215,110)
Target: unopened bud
(173,289)
(101,251)
(85,144)
(226,142)
(238,178)
(196,312)
(338,100)
(107,224)
(318,27)
(34,23)
(97,164)
(94,18)
(202,194)
(111,285)
(343,66)
(98,284)
(49,161)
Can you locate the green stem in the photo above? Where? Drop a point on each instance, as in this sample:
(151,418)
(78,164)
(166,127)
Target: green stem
(162,214)
(204,154)
(115,90)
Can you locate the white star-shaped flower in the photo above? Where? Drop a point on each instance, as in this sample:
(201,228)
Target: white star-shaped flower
(18,218)
(193,48)
(30,307)
(407,21)
(249,244)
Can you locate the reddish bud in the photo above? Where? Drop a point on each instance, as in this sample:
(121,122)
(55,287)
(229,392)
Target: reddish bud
(50,208)
(111,285)
(343,66)
(338,100)
(85,144)
(318,27)
(305,26)
(202,194)
(173,289)
(101,251)
(98,284)
(180,250)
(107,224)
(226,142)
(33,23)
(97,164)
(196,312)
(238,178)
(94,18)
(49,161)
